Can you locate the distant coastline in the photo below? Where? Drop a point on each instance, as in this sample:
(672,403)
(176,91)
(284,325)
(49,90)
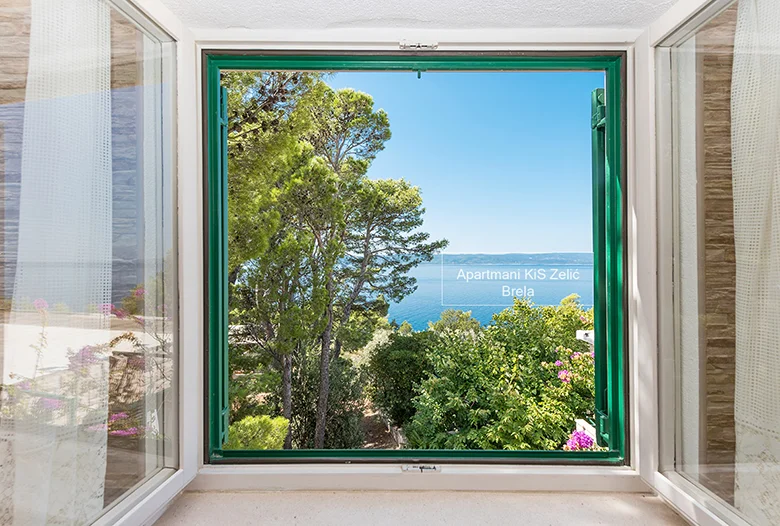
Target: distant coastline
(496,279)
(519,258)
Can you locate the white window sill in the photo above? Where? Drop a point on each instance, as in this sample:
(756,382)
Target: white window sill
(384,477)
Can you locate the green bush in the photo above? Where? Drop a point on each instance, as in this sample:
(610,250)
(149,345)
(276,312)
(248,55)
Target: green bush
(345,404)
(455,320)
(519,384)
(253,384)
(257,432)
(396,369)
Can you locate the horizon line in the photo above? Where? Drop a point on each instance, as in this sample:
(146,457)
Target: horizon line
(507,253)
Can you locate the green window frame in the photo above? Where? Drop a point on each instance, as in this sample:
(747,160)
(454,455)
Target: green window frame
(609,168)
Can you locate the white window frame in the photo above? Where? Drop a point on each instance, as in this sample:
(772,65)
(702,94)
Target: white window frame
(654,130)
(450,477)
(645,273)
(148,501)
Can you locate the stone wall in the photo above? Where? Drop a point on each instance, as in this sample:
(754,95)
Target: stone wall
(715,46)
(14,46)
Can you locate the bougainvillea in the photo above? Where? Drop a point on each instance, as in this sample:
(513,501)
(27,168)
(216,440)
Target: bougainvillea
(579,441)
(521,384)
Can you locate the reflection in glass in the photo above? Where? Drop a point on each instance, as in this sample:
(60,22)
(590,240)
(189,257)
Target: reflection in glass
(88,284)
(727,153)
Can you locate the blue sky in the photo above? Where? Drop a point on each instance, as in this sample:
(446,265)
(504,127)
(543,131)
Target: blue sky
(503,159)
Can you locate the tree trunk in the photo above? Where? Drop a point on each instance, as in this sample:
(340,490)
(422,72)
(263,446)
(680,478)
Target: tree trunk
(233,275)
(322,401)
(336,350)
(287,397)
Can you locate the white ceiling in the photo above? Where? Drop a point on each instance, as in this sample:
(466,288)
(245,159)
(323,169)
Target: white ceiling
(414,14)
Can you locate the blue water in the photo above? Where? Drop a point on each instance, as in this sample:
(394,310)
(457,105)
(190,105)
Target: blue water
(486,288)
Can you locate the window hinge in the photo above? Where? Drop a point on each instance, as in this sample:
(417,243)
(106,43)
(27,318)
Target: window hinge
(420,468)
(417,46)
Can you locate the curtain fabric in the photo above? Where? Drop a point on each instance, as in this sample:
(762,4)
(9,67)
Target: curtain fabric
(756,184)
(54,427)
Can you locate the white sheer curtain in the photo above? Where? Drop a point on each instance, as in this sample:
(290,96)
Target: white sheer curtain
(54,425)
(756,182)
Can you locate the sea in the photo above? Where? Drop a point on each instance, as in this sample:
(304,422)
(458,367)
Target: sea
(488,283)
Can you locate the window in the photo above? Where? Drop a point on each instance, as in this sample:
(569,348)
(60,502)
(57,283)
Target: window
(261,307)
(724,427)
(88,407)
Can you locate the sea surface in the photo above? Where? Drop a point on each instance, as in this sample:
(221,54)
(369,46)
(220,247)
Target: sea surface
(488,283)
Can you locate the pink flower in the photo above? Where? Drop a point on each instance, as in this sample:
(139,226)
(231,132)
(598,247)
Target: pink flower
(129,432)
(564,375)
(24,385)
(118,416)
(84,357)
(106,309)
(583,319)
(578,441)
(558,363)
(592,354)
(139,292)
(576,355)
(40,304)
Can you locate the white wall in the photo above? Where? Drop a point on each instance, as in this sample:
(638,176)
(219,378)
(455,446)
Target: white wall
(316,15)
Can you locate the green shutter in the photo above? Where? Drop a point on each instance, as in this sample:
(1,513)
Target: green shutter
(598,125)
(223,354)
(218,271)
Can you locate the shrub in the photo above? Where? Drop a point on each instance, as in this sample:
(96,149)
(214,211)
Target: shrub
(455,320)
(257,432)
(396,369)
(345,404)
(519,384)
(253,383)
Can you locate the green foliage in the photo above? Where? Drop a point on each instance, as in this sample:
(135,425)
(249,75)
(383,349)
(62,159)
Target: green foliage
(405,328)
(455,320)
(253,382)
(316,248)
(363,323)
(503,388)
(266,117)
(396,370)
(257,432)
(346,127)
(345,405)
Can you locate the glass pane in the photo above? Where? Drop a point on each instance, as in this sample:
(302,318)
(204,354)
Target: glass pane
(727,256)
(411,260)
(88,288)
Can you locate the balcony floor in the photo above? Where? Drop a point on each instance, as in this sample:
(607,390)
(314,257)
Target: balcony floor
(425,508)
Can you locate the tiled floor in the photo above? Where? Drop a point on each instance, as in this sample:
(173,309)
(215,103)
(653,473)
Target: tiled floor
(424,508)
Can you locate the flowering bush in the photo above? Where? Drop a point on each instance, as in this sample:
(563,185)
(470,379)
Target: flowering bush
(121,424)
(576,370)
(579,441)
(520,384)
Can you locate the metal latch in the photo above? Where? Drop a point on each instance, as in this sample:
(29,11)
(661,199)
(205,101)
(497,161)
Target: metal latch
(417,46)
(420,468)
